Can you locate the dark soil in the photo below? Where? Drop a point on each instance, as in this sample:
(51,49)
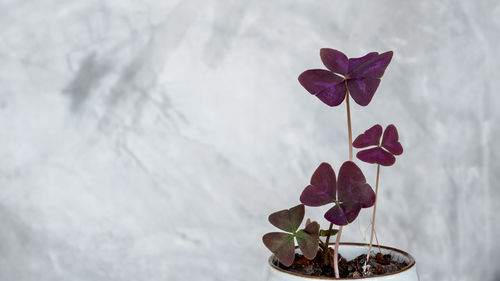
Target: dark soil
(379,265)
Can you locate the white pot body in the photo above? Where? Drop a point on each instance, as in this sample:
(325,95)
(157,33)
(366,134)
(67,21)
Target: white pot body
(350,251)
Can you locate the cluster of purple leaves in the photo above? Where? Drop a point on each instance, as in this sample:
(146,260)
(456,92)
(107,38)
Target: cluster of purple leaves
(349,193)
(360,75)
(383,153)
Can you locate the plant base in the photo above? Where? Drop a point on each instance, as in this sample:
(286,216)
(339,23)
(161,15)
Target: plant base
(389,264)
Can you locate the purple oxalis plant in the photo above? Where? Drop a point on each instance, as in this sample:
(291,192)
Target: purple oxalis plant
(381,153)
(349,194)
(344,77)
(360,76)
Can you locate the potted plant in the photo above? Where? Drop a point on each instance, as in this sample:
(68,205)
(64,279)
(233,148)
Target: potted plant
(347,192)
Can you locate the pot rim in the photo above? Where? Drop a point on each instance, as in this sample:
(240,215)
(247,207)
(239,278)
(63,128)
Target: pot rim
(410,258)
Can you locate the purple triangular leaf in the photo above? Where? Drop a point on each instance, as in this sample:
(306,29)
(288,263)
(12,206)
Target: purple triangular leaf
(350,178)
(362,89)
(390,141)
(352,187)
(351,210)
(325,85)
(281,245)
(307,239)
(374,67)
(343,215)
(353,193)
(288,220)
(314,196)
(366,195)
(322,189)
(336,215)
(334,60)
(369,137)
(355,63)
(358,195)
(376,155)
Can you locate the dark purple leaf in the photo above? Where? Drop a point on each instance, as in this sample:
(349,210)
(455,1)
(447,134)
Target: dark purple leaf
(361,76)
(288,220)
(325,85)
(376,155)
(369,137)
(308,240)
(336,215)
(374,67)
(362,89)
(361,194)
(334,60)
(355,63)
(390,141)
(351,211)
(366,195)
(384,152)
(322,189)
(281,245)
(344,214)
(352,186)
(353,194)
(350,192)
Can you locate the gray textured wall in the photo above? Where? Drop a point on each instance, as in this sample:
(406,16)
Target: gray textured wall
(149,141)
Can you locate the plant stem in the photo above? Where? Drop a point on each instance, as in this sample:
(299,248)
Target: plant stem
(349,130)
(325,248)
(327,241)
(336,256)
(373,216)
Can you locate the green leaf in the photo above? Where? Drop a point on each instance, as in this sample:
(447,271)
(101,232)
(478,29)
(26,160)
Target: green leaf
(288,220)
(324,233)
(281,245)
(307,239)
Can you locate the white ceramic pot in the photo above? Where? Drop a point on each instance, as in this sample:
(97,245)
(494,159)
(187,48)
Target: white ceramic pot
(350,251)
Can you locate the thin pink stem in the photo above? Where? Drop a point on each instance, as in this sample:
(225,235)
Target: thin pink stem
(373,217)
(349,130)
(336,256)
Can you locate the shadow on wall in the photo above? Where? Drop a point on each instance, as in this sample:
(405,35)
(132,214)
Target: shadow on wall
(21,247)
(87,78)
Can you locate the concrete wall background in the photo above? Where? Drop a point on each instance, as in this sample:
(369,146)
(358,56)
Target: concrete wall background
(150,141)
